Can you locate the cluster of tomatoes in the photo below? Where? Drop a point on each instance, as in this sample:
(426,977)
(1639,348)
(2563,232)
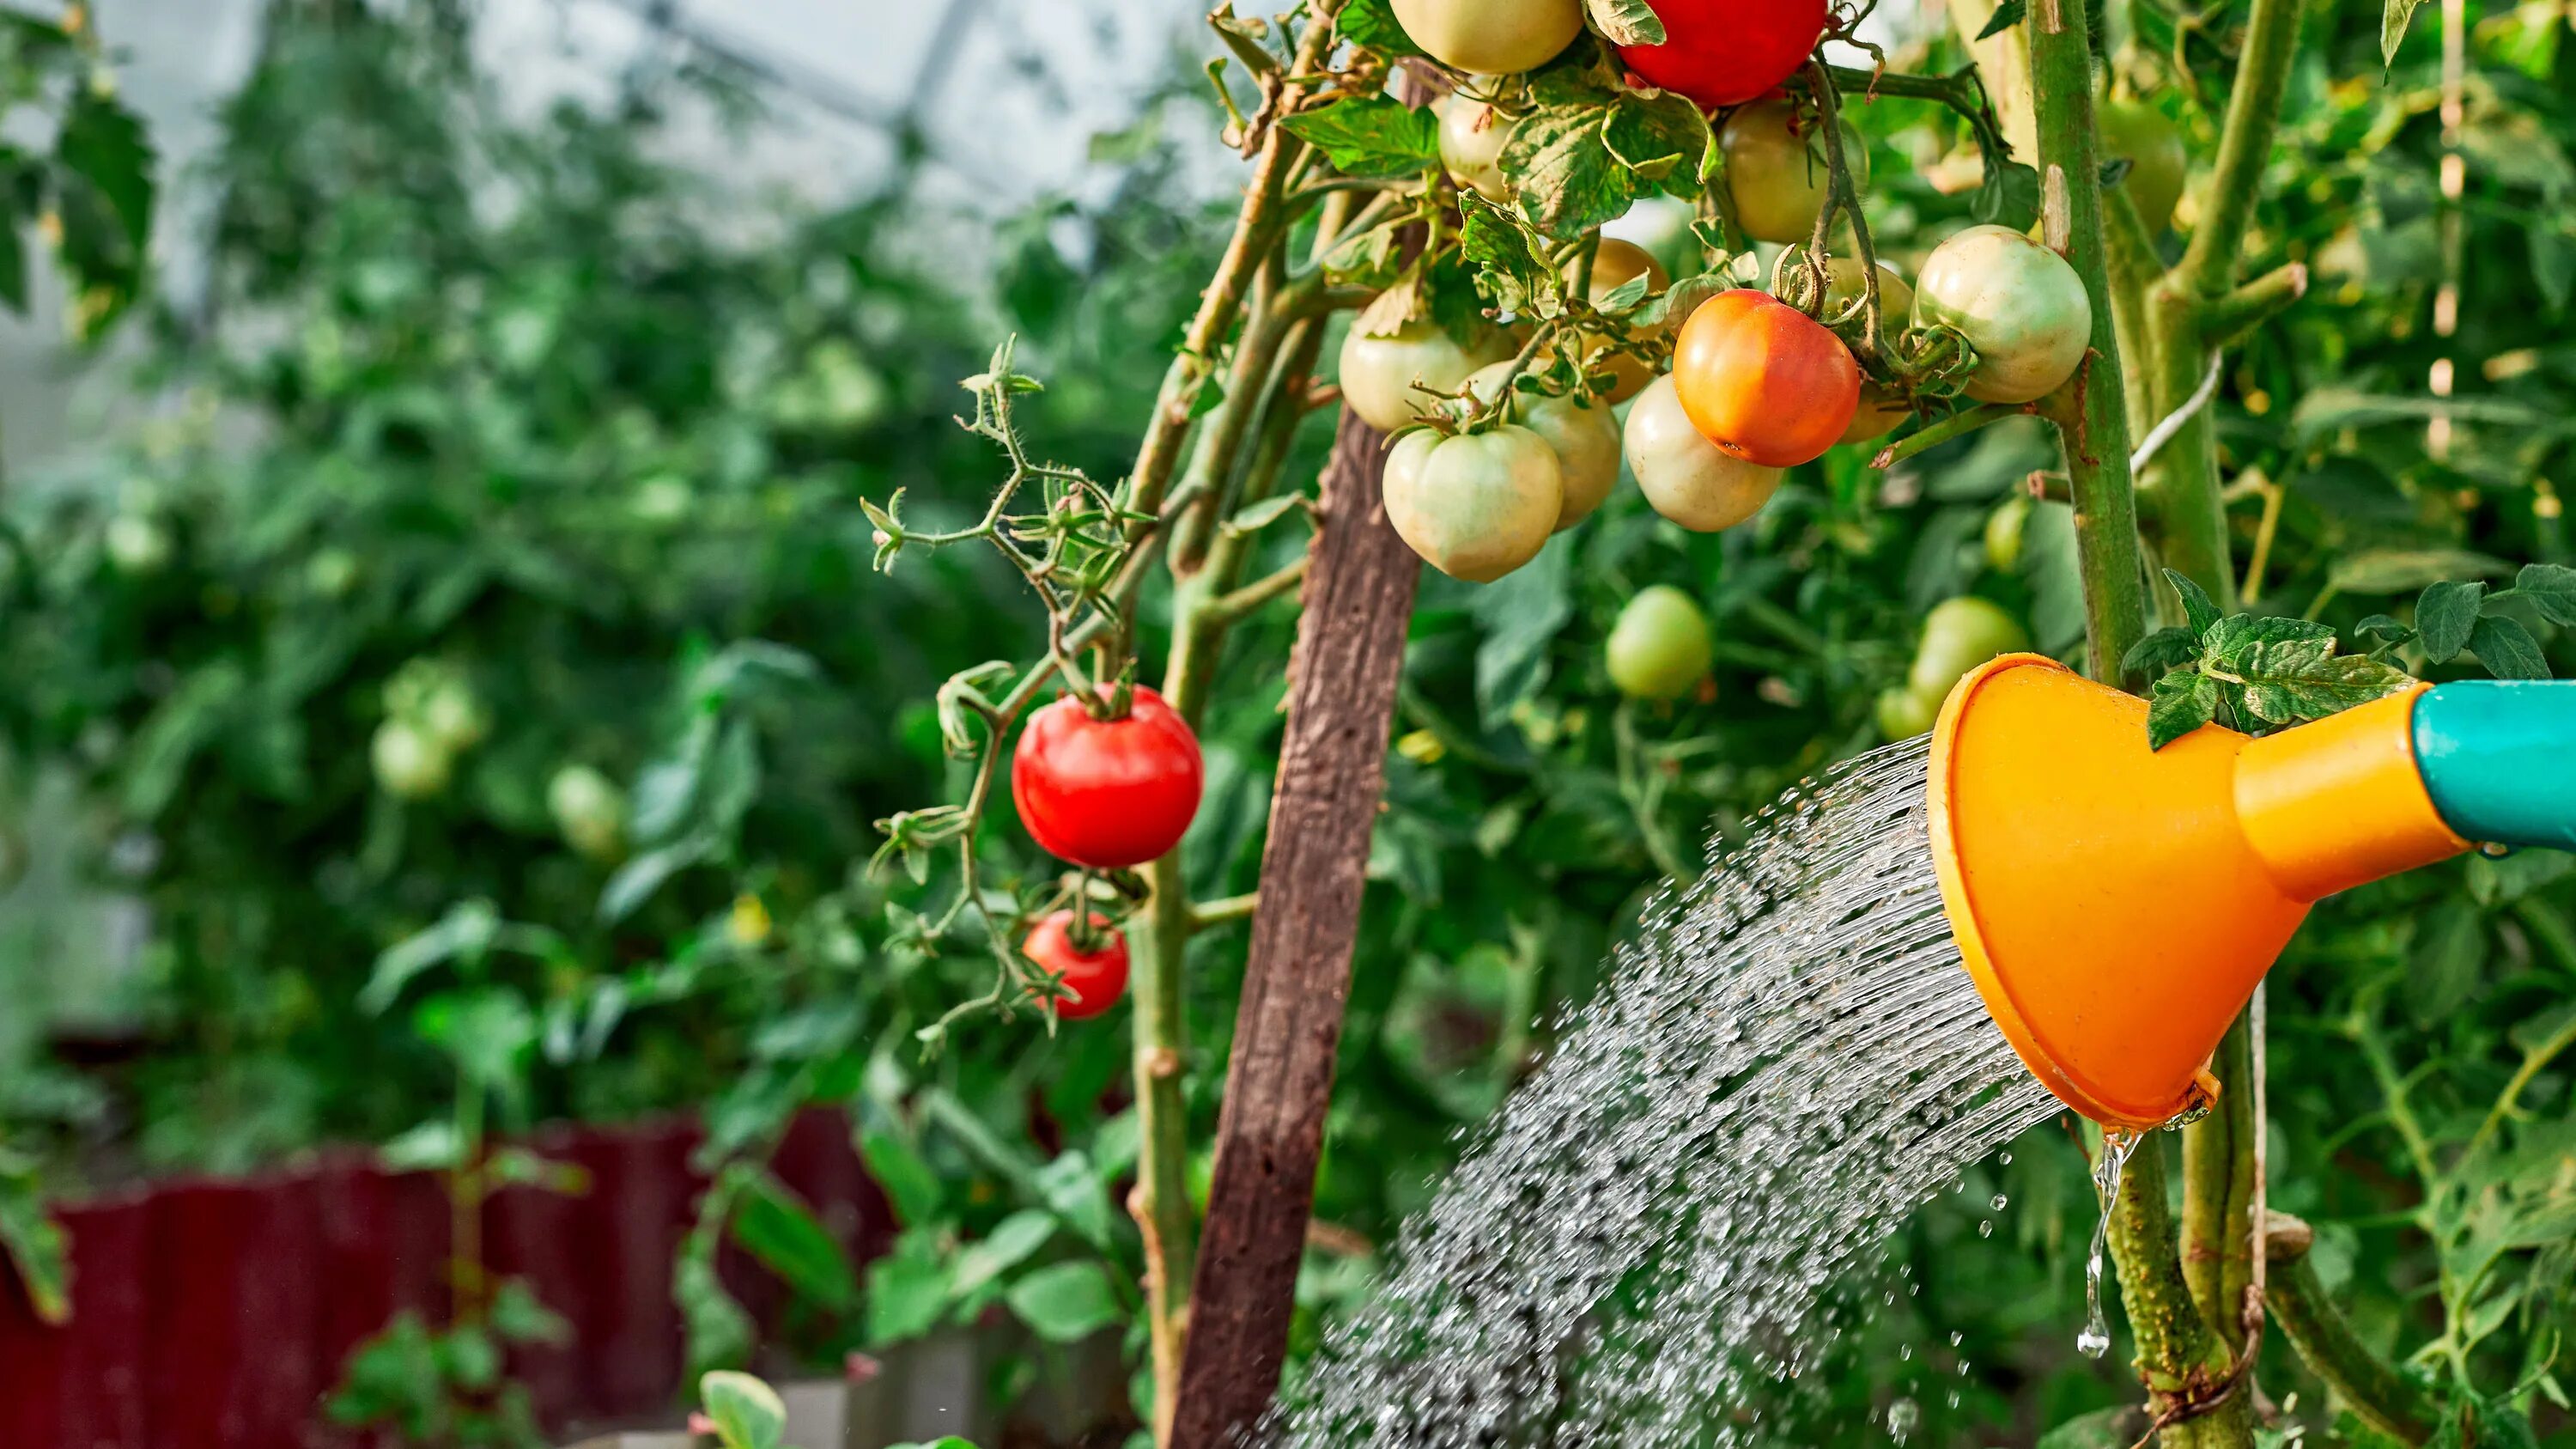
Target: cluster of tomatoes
(1106,791)
(1756,386)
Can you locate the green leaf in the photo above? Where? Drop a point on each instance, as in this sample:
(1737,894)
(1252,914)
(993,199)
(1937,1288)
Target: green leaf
(1504,255)
(1625,22)
(2006,16)
(900,1169)
(2181,703)
(1569,182)
(2168,648)
(1372,23)
(2010,197)
(1519,617)
(465,931)
(1370,135)
(1065,1303)
(2445,616)
(776,1227)
(519,1316)
(2393,21)
(748,1414)
(2388,631)
(36,1246)
(2197,608)
(908,1291)
(2290,680)
(2553,588)
(2449,948)
(2402,571)
(1010,1244)
(488,1034)
(1658,138)
(1074,1189)
(2507,649)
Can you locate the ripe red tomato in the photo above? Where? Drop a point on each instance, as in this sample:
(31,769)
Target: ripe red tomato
(1727,52)
(1764,381)
(1091,983)
(1108,794)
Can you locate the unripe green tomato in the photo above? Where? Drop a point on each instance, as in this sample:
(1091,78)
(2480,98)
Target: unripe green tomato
(1687,478)
(2159,162)
(410,764)
(1472,136)
(2004,529)
(1775,169)
(331,572)
(590,811)
(1958,635)
(2018,303)
(1903,714)
(1584,437)
(1475,507)
(137,544)
(454,716)
(1380,374)
(1660,648)
(1491,37)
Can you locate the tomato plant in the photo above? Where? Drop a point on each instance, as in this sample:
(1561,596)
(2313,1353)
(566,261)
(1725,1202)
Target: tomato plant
(1477,506)
(1106,790)
(2159,162)
(1616,264)
(1090,975)
(1764,382)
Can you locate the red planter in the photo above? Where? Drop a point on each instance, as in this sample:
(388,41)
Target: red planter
(216,1314)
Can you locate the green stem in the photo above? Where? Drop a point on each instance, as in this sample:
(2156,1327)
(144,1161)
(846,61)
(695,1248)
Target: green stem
(2218,1192)
(2375,1390)
(2091,412)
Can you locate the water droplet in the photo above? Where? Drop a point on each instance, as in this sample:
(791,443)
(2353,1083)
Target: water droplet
(1985,1227)
(2000,1200)
(1903,1417)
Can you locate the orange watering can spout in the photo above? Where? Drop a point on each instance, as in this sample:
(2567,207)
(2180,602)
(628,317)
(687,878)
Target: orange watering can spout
(2117,905)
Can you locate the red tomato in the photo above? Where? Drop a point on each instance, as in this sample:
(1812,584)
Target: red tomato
(1764,381)
(1090,984)
(1727,52)
(1108,794)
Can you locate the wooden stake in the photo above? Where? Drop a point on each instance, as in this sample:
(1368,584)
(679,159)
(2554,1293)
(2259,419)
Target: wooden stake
(1332,770)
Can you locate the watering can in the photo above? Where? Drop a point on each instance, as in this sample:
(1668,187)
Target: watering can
(2117,905)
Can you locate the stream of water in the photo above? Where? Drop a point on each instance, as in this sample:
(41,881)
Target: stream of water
(1787,1061)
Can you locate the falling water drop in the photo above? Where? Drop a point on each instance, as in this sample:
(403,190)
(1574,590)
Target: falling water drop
(2095,1340)
(1902,1417)
(2000,1200)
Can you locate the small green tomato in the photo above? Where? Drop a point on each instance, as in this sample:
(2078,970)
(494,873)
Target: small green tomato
(1660,648)
(410,764)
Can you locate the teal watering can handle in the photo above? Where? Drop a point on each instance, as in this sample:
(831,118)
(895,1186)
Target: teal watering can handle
(2499,759)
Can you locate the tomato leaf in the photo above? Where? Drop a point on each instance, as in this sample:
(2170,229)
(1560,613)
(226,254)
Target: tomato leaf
(1370,135)
(1065,1303)
(777,1228)
(1569,181)
(1653,136)
(1504,254)
(2166,649)
(2197,606)
(2181,703)
(1626,22)
(2006,16)
(2445,616)
(2010,197)
(2393,22)
(2507,649)
(2553,588)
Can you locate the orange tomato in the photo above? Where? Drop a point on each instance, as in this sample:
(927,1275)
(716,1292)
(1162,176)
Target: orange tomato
(1764,381)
